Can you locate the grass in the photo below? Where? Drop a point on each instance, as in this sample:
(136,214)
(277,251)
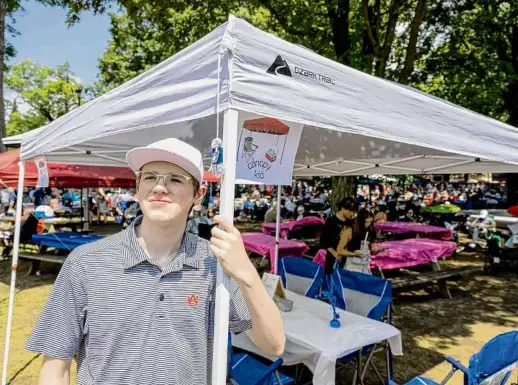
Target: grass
(432,327)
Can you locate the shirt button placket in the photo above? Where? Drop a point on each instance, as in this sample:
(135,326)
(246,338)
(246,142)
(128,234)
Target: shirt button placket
(160,299)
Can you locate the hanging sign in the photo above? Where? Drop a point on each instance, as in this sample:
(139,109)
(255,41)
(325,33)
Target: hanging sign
(266,151)
(43,172)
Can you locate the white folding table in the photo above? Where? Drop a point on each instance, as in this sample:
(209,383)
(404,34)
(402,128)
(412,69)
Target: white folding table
(311,341)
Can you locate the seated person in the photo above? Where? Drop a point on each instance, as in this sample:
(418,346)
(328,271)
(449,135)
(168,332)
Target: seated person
(409,217)
(271,214)
(300,213)
(485,221)
(197,218)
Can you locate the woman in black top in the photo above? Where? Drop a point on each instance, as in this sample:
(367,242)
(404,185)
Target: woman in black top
(333,235)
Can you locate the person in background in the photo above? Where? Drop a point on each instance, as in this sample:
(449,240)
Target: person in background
(256,194)
(4,201)
(193,225)
(39,197)
(54,202)
(363,231)
(290,206)
(333,237)
(271,214)
(300,213)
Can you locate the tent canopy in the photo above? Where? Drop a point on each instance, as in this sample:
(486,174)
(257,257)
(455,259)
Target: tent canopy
(64,175)
(354,123)
(71,176)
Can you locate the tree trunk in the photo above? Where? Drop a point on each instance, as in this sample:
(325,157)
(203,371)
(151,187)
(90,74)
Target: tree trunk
(2,60)
(339,17)
(343,187)
(390,33)
(370,45)
(511,104)
(411,49)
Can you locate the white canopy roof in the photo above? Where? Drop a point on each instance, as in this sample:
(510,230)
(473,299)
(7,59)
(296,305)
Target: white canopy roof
(354,123)
(13,140)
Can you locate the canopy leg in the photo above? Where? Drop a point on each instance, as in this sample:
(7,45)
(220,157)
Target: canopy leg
(12,288)
(277,230)
(219,353)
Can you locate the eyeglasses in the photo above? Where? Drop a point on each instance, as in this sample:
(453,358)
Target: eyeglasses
(149,179)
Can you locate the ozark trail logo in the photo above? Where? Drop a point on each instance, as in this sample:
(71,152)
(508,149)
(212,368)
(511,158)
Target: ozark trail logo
(281,67)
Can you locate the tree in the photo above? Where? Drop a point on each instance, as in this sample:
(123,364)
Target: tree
(359,33)
(7,50)
(48,93)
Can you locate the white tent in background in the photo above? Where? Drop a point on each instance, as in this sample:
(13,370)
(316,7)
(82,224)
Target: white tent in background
(353,123)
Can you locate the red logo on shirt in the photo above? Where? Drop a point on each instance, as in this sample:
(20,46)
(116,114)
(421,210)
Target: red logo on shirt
(192,300)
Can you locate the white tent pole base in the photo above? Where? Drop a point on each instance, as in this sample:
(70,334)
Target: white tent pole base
(277,230)
(12,288)
(219,353)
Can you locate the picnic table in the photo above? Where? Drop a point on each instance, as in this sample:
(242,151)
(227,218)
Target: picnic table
(410,227)
(311,341)
(405,253)
(65,240)
(264,245)
(52,223)
(411,252)
(289,227)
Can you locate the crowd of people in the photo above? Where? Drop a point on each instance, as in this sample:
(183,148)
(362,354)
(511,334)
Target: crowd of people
(119,204)
(382,201)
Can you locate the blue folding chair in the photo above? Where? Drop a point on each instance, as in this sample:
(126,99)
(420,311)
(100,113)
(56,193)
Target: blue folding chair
(368,296)
(301,276)
(492,365)
(244,369)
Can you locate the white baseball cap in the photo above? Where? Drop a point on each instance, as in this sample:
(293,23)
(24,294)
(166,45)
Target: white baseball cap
(169,150)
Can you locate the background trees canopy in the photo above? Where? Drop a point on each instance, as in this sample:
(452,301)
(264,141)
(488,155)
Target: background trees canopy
(464,51)
(46,94)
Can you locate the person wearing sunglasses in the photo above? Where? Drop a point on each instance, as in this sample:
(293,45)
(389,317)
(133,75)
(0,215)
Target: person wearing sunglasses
(138,307)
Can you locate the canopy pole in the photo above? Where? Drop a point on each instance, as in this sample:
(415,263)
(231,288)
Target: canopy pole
(85,205)
(220,349)
(12,287)
(277,231)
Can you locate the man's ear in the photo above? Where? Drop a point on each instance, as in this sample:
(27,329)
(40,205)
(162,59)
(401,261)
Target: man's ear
(200,194)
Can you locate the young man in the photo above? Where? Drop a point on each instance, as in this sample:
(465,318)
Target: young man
(138,306)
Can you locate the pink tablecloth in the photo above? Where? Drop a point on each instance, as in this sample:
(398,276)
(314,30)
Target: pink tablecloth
(408,227)
(289,226)
(264,245)
(411,252)
(405,253)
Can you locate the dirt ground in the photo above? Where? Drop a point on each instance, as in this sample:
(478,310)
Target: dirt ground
(432,327)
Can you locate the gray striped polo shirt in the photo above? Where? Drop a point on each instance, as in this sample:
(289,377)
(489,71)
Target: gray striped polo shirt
(131,322)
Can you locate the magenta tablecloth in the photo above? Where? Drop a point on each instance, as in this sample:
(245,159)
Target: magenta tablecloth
(264,245)
(405,253)
(411,252)
(408,227)
(289,226)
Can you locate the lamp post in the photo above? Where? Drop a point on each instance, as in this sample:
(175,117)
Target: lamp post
(79,92)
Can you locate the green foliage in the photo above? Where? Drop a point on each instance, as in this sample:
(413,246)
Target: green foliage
(359,33)
(48,92)
(471,60)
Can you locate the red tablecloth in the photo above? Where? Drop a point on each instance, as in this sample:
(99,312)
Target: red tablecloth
(264,245)
(289,226)
(409,227)
(405,253)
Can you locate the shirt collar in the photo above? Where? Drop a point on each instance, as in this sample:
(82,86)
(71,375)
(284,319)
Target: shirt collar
(189,253)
